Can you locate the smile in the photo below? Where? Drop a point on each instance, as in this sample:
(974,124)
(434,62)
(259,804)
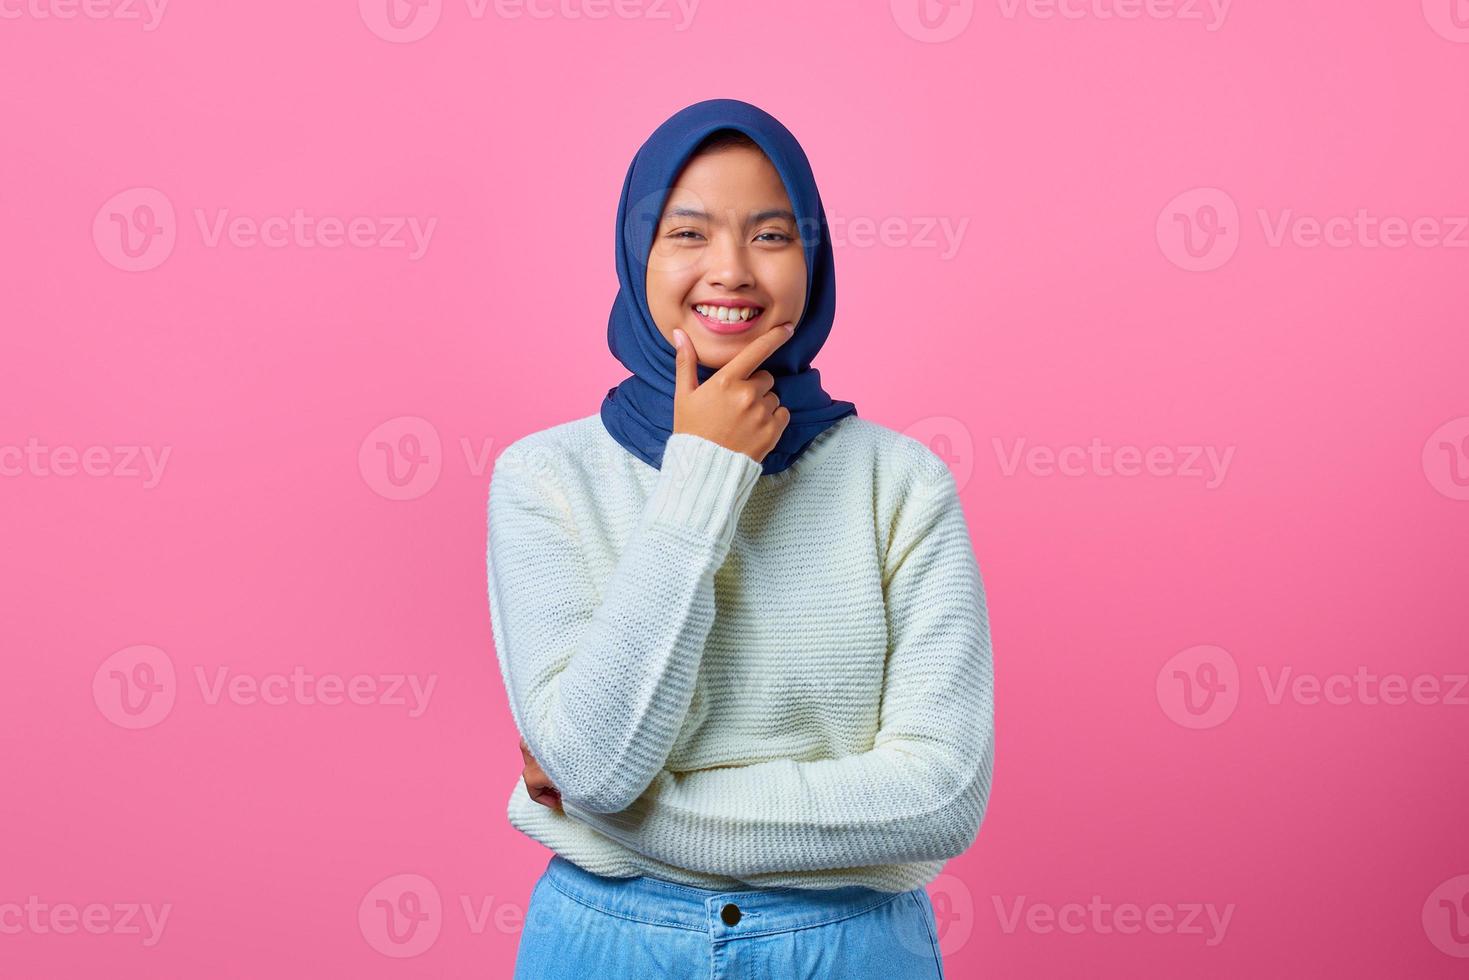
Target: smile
(727,319)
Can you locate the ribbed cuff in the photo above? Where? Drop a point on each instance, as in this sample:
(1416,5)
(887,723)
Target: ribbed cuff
(702,486)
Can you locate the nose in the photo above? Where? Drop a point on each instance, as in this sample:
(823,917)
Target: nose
(728,262)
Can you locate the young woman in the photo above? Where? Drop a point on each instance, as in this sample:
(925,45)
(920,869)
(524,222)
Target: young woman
(742,630)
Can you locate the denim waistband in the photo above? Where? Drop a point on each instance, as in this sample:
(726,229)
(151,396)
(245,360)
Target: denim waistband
(756,912)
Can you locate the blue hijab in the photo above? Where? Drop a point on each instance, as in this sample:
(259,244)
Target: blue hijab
(638,413)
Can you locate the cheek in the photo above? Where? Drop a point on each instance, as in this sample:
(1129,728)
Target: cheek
(788,283)
(666,286)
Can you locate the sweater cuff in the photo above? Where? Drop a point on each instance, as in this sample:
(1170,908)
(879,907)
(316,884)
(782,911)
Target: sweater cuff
(702,486)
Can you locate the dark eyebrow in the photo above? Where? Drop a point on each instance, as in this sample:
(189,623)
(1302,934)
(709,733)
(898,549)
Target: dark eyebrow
(756,218)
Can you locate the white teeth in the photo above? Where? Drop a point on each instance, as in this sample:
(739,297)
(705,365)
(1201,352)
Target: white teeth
(729,313)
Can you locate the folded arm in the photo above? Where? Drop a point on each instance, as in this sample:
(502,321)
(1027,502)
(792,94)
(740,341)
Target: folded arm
(599,679)
(919,794)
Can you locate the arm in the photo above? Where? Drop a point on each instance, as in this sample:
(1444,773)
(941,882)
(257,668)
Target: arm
(919,794)
(599,677)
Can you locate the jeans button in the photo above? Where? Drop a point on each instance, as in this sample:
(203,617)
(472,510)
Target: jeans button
(730,914)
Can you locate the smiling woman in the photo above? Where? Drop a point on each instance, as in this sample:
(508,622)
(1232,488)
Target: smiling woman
(742,630)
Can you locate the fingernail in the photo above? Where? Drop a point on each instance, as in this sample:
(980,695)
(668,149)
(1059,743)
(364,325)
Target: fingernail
(790,328)
(677,338)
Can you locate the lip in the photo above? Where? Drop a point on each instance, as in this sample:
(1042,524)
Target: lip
(740,326)
(736,301)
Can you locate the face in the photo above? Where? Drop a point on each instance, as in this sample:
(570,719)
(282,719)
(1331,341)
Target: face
(726,246)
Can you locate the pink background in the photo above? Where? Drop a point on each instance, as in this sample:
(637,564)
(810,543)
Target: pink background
(1114,280)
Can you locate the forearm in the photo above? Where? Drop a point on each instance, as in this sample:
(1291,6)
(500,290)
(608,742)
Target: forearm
(880,807)
(600,678)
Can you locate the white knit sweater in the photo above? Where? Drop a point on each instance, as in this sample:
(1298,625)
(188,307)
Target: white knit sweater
(741,680)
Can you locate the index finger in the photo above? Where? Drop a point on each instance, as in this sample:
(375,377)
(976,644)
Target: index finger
(755,352)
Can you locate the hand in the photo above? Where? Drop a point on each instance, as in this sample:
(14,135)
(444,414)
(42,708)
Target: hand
(735,407)
(537,783)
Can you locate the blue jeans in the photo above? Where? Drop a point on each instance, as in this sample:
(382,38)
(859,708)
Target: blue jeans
(583,926)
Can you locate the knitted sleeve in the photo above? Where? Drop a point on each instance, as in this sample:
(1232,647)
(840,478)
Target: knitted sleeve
(599,676)
(919,794)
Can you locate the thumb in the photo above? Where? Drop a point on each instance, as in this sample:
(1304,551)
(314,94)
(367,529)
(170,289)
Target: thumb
(686,378)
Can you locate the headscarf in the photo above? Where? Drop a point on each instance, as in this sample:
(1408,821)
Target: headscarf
(638,412)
